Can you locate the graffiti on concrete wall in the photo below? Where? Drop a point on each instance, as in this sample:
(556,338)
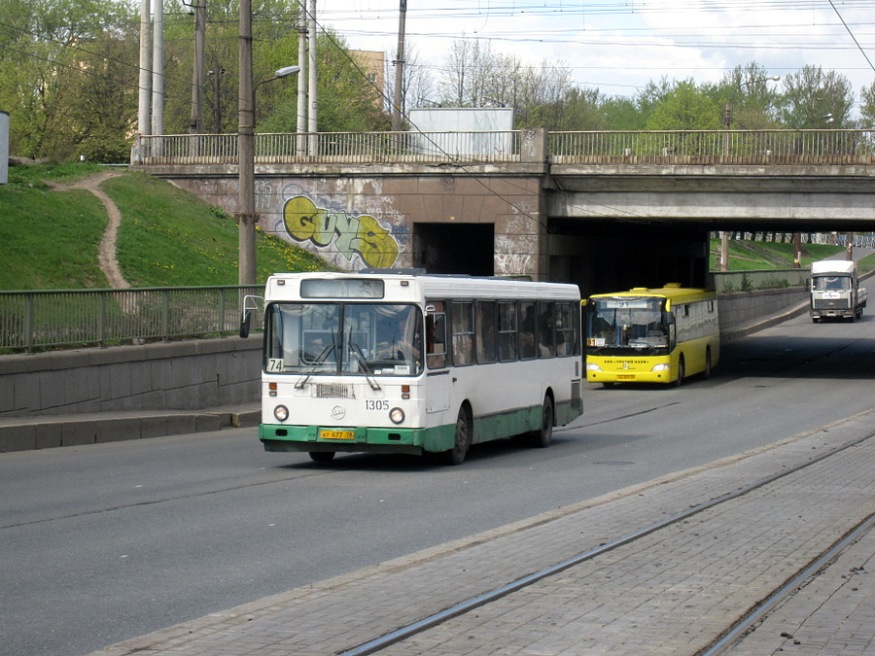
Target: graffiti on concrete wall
(351,235)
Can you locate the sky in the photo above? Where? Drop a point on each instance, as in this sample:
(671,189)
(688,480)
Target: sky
(618,47)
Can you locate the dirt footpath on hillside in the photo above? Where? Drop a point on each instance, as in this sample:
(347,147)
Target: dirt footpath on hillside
(106,252)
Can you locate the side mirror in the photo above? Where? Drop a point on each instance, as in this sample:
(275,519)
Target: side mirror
(245,323)
(250,306)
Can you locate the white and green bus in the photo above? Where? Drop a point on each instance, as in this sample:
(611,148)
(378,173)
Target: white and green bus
(396,362)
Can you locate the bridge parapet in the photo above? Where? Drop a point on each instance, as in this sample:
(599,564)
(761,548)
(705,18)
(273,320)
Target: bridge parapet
(631,147)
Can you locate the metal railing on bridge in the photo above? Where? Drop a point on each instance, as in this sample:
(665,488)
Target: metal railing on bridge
(332,147)
(771,147)
(732,147)
(34,320)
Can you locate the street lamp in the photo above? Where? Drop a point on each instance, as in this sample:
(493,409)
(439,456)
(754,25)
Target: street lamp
(247,216)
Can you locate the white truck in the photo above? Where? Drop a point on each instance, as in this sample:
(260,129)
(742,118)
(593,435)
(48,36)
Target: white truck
(836,291)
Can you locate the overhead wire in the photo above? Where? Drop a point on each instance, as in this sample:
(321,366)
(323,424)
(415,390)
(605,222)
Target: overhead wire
(857,43)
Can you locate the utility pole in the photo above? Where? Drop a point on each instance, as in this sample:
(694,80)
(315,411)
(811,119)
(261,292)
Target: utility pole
(312,118)
(144,116)
(196,125)
(158,70)
(399,68)
(301,123)
(217,74)
(797,250)
(246,153)
(724,250)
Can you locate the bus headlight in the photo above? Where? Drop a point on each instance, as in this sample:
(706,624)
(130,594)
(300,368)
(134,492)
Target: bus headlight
(592,367)
(396,415)
(281,413)
(661,367)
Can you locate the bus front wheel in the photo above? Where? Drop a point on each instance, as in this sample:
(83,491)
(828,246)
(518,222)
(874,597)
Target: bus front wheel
(321,456)
(681,372)
(456,456)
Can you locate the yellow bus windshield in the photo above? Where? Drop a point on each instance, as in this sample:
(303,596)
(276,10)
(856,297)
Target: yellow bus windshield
(622,323)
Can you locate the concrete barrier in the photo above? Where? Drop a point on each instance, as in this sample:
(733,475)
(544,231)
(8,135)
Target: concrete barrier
(742,313)
(187,375)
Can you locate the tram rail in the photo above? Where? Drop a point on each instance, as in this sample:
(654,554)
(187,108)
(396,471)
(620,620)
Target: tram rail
(722,642)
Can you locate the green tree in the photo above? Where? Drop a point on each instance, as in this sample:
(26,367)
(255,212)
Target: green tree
(685,107)
(103,106)
(347,100)
(622,113)
(749,98)
(814,98)
(650,97)
(578,109)
(867,106)
(50,49)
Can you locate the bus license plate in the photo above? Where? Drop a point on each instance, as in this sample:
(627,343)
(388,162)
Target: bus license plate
(336,435)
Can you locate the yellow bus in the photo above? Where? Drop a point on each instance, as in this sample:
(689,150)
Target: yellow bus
(651,335)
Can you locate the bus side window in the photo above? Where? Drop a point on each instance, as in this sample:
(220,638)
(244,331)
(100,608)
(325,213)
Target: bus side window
(485,332)
(528,311)
(546,330)
(565,329)
(507,331)
(436,336)
(463,332)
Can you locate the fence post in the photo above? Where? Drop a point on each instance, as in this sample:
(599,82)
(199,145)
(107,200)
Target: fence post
(165,318)
(221,313)
(101,320)
(28,322)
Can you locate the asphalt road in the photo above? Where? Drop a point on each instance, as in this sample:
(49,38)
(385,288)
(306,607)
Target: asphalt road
(111,541)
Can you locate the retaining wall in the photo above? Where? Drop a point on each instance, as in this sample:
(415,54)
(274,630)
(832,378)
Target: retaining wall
(741,313)
(201,374)
(188,375)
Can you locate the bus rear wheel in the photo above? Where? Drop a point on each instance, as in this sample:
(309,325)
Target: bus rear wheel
(543,437)
(321,456)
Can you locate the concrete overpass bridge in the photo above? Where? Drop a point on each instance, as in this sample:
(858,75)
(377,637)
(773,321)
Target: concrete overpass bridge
(605,210)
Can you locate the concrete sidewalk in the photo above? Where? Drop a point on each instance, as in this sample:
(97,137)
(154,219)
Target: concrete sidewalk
(49,431)
(669,592)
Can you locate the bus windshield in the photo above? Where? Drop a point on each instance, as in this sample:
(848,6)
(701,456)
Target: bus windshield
(627,323)
(369,339)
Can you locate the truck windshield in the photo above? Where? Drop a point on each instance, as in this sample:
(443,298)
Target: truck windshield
(366,339)
(832,283)
(627,323)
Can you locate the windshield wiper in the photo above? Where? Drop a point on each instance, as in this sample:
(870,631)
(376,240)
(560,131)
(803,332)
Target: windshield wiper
(356,350)
(319,359)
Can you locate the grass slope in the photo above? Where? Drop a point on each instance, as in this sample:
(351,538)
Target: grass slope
(167,237)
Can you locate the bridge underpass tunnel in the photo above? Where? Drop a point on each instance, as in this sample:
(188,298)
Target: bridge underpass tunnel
(608,256)
(467,248)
